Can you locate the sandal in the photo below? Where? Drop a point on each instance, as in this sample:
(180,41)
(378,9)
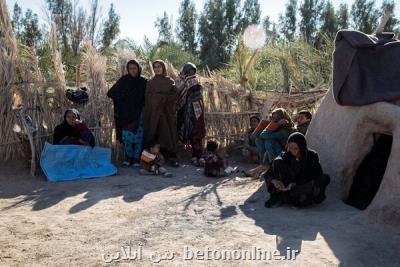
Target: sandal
(174,163)
(195,162)
(167,174)
(125,164)
(202,162)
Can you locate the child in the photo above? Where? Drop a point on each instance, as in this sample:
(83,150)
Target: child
(271,140)
(214,165)
(250,150)
(152,161)
(303,121)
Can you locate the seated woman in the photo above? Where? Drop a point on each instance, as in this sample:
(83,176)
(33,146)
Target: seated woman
(72,131)
(271,140)
(296,177)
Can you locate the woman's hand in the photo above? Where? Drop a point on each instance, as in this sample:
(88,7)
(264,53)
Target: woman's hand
(291,186)
(278,184)
(283,122)
(83,142)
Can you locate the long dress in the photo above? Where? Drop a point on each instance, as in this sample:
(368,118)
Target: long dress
(160,114)
(128,96)
(191,124)
(306,173)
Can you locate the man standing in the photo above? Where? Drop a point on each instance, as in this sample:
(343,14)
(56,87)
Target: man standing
(190,106)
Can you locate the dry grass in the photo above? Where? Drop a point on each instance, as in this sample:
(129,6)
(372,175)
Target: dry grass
(8,65)
(227,105)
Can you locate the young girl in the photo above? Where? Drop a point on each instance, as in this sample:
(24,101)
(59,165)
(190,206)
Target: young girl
(271,141)
(250,150)
(152,161)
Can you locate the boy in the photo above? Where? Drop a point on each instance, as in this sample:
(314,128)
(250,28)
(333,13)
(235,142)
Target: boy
(303,121)
(250,150)
(152,161)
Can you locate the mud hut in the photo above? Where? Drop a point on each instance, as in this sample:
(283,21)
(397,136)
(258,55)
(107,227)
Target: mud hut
(356,129)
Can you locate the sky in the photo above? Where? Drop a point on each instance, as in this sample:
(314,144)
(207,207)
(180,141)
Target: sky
(138,16)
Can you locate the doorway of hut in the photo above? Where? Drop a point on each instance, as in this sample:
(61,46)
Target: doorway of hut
(369,174)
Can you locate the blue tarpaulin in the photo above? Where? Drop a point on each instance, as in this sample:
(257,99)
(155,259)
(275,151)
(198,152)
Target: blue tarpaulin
(74,162)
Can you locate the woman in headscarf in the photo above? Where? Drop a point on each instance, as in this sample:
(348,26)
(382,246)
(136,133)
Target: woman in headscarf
(72,131)
(190,106)
(128,97)
(160,112)
(296,177)
(271,140)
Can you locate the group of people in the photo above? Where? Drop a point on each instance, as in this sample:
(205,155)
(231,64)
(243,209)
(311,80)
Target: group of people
(154,117)
(292,172)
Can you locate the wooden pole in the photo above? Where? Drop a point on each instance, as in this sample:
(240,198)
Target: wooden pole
(385,19)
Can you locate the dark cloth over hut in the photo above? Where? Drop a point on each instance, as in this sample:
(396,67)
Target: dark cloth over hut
(128,97)
(365,68)
(160,111)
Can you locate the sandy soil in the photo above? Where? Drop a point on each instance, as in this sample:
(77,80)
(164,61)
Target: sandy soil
(79,223)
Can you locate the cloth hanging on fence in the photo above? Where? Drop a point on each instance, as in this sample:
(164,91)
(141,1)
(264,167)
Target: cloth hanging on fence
(74,162)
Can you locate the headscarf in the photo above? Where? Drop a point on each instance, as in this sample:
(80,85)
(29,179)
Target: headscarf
(163,65)
(187,67)
(282,114)
(64,129)
(300,140)
(307,166)
(134,62)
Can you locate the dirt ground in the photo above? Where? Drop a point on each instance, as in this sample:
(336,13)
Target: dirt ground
(187,220)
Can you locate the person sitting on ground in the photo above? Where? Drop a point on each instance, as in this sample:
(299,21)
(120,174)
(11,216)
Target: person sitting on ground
(271,141)
(296,177)
(73,131)
(190,116)
(250,150)
(303,121)
(214,164)
(152,161)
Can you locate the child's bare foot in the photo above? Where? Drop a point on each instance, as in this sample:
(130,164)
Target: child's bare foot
(167,174)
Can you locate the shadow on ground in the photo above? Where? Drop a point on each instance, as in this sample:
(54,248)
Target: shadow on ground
(354,240)
(128,184)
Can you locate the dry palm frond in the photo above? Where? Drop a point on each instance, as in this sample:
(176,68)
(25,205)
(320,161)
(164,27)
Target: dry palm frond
(59,74)
(122,57)
(98,112)
(8,64)
(58,101)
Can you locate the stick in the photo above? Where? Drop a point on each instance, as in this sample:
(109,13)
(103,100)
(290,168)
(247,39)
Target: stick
(385,19)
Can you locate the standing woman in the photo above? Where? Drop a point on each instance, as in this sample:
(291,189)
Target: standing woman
(128,97)
(191,125)
(160,112)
